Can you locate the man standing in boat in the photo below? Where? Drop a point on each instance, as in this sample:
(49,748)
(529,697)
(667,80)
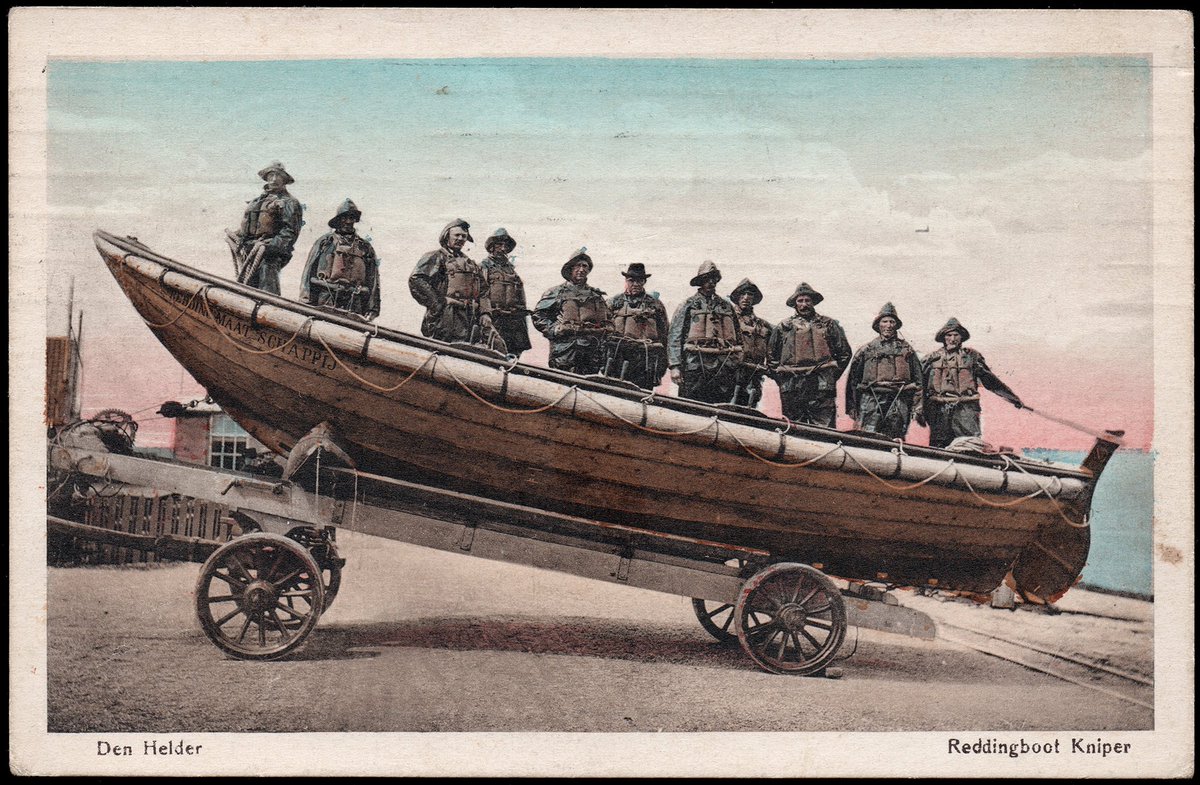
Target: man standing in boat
(264,242)
(883,391)
(637,352)
(704,346)
(342,269)
(952,376)
(454,291)
(576,319)
(506,293)
(756,335)
(807,354)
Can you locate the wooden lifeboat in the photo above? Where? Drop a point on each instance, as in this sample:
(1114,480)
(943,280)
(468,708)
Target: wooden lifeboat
(459,418)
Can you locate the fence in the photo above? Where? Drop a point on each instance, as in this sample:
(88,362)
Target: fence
(145,515)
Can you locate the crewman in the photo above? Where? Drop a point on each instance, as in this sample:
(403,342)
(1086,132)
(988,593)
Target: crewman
(342,269)
(704,345)
(264,242)
(883,390)
(636,349)
(454,291)
(576,319)
(807,354)
(952,378)
(506,293)
(756,336)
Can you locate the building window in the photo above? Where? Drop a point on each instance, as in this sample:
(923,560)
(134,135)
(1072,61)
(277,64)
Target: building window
(226,443)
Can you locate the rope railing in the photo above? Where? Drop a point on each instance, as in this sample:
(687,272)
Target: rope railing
(380,388)
(713,422)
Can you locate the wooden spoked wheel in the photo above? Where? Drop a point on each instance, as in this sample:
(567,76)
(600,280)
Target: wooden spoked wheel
(259,596)
(716,618)
(790,619)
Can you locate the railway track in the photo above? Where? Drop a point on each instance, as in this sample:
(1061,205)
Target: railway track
(1130,687)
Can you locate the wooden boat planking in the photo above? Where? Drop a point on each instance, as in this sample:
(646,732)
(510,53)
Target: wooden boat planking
(691,470)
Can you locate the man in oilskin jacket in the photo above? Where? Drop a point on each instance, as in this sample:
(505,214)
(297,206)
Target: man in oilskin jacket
(506,293)
(576,319)
(454,291)
(272,222)
(637,348)
(704,345)
(808,353)
(342,269)
(952,376)
(756,337)
(883,389)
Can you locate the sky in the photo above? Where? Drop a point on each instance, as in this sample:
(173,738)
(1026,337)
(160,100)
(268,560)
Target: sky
(1032,176)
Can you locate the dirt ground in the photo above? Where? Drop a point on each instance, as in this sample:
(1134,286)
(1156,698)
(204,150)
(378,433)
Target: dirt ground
(420,640)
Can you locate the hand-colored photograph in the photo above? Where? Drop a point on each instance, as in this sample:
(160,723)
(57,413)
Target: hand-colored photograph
(632,393)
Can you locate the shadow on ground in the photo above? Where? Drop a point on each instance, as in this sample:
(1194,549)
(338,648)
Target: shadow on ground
(618,640)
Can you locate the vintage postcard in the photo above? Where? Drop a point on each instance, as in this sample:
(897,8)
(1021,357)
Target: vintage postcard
(669,392)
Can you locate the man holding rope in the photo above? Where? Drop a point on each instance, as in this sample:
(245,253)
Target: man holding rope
(952,376)
(263,244)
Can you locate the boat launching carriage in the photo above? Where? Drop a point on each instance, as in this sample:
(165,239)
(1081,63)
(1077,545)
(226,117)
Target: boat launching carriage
(453,427)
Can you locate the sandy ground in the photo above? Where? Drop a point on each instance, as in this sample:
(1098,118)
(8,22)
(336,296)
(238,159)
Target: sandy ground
(424,640)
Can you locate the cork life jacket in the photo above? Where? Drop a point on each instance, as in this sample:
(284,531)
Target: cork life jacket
(349,262)
(888,365)
(713,327)
(755,335)
(637,323)
(505,290)
(806,345)
(584,308)
(952,376)
(462,281)
(264,217)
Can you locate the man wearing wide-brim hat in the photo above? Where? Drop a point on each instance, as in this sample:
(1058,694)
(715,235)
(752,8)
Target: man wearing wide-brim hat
(342,270)
(506,292)
(454,291)
(574,316)
(807,354)
(756,338)
(267,236)
(883,389)
(704,345)
(952,376)
(637,347)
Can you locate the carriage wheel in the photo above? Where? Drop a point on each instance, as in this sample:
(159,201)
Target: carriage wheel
(790,619)
(259,596)
(717,618)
